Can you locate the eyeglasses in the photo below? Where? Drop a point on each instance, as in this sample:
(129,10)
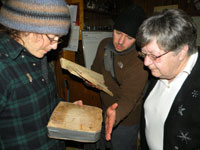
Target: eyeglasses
(151,56)
(53,41)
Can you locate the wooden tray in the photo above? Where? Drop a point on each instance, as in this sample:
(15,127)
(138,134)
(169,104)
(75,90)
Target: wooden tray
(73,122)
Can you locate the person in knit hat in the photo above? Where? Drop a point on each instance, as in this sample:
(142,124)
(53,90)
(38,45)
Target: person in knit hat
(117,60)
(29,29)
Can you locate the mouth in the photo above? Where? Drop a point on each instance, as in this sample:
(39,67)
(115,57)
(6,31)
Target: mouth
(119,47)
(46,50)
(152,69)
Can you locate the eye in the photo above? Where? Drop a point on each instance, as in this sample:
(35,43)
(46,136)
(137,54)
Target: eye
(153,56)
(130,38)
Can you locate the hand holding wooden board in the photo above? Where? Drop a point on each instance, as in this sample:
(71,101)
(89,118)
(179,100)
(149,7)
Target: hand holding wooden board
(84,73)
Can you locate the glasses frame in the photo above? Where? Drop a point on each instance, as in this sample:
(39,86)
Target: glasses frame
(53,41)
(151,56)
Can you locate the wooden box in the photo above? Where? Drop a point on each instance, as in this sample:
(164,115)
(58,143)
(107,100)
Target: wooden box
(73,122)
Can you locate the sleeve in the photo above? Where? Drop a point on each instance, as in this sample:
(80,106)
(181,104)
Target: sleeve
(99,58)
(130,91)
(143,142)
(4,89)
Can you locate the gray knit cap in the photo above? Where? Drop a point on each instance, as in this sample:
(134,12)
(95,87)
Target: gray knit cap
(39,16)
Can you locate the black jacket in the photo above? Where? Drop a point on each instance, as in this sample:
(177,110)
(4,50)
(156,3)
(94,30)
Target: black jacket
(180,132)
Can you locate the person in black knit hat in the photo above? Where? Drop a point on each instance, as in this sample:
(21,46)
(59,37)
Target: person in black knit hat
(130,20)
(118,61)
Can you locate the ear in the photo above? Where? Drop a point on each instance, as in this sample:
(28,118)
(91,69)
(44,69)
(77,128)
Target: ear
(184,52)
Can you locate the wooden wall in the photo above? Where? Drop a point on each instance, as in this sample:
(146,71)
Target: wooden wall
(77,89)
(148,5)
(94,19)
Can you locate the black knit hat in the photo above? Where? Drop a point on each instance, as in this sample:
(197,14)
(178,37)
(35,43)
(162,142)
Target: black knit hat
(130,20)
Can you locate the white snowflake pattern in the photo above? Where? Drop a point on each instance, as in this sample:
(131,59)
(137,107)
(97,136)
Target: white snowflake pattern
(195,94)
(176,148)
(184,137)
(180,110)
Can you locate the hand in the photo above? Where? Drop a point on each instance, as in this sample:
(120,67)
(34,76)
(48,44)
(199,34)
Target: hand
(110,120)
(88,83)
(91,84)
(78,102)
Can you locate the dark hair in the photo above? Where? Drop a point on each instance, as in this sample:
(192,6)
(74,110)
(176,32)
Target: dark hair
(13,33)
(172,28)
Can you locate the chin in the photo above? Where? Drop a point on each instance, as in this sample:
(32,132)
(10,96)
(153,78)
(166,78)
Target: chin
(39,55)
(120,50)
(155,74)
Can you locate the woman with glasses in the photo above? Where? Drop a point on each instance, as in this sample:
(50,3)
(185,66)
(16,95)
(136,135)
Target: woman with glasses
(170,116)
(29,30)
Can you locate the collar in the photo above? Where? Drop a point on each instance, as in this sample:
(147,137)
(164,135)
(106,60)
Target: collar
(10,47)
(188,68)
(191,62)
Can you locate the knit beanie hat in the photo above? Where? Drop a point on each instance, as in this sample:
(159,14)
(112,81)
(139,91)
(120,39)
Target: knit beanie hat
(39,16)
(130,20)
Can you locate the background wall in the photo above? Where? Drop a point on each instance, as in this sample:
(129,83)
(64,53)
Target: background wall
(148,5)
(99,15)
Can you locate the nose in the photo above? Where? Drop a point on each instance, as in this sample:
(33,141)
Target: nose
(121,39)
(147,61)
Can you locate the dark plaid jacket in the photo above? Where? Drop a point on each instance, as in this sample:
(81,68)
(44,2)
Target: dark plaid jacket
(26,100)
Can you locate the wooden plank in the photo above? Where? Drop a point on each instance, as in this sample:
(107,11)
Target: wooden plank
(86,74)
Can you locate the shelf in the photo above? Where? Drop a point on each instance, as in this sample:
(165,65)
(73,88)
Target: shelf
(100,12)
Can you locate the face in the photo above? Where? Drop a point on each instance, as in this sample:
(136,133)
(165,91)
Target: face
(39,44)
(164,65)
(122,41)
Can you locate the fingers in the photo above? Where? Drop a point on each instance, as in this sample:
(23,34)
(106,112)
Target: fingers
(88,83)
(78,102)
(110,120)
(114,106)
(108,131)
(109,126)
(92,85)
